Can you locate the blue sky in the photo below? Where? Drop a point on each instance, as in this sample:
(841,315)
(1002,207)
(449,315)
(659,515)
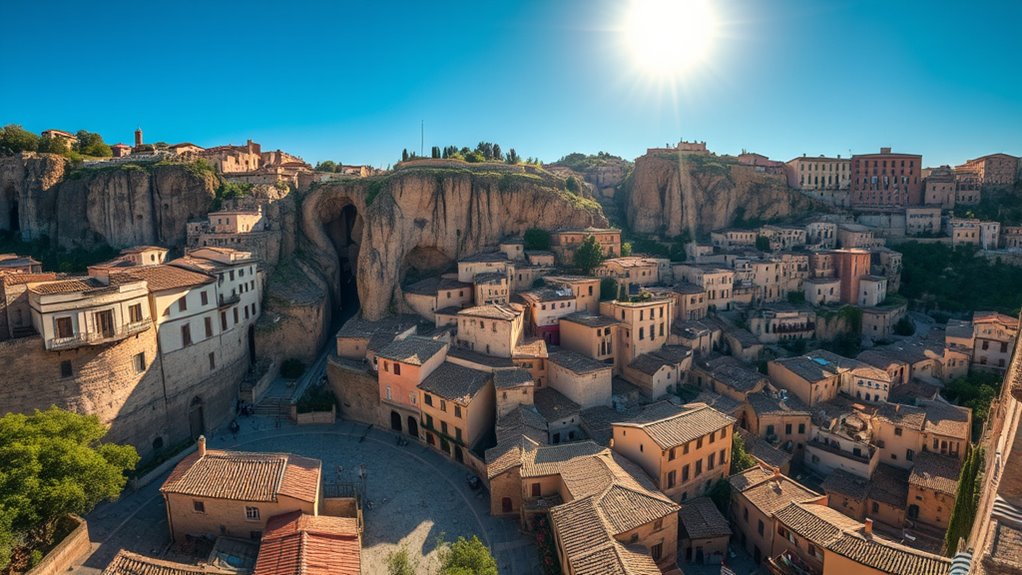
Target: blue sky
(351,81)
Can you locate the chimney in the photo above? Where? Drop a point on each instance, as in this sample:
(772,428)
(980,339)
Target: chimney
(202,445)
(867,528)
(777,472)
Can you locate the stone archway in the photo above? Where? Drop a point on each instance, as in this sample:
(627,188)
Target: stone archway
(196,418)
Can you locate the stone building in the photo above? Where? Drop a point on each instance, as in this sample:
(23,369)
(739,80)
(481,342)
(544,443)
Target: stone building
(886,180)
(427,296)
(457,407)
(581,379)
(591,335)
(703,533)
(993,169)
(564,243)
(646,325)
(756,495)
(939,188)
(403,365)
(205,497)
(818,173)
(545,307)
(717,282)
(685,451)
(586,290)
(484,263)
(493,330)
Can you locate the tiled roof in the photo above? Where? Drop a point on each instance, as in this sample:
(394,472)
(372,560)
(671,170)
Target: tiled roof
(764,403)
(889,557)
(648,363)
(128,563)
(590,319)
(699,518)
(819,524)
(942,418)
(522,420)
(683,427)
(506,312)
(687,288)
(576,362)
(589,548)
(412,350)
(506,378)
(936,472)
(360,327)
(300,544)
(73,285)
(721,403)
(485,257)
(769,493)
(530,347)
(729,371)
(243,476)
(23,278)
(474,357)
(889,484)
(455,382)
(430,286)
(489,278)
(554,405)
(902,415)
(763,451)
(164,277)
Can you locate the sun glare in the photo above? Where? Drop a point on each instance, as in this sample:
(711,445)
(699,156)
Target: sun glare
(667,38)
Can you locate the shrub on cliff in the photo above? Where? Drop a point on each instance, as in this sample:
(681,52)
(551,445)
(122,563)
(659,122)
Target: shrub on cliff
(14,139)
(536,239)
(53,463)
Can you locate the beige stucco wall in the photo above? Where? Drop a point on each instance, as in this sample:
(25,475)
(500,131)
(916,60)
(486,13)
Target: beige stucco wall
(225,517)
(636,445)
(586,389)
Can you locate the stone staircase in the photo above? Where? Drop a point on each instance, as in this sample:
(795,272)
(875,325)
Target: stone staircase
(274,406)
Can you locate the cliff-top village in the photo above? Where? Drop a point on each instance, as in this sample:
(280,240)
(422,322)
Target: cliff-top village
(674,357)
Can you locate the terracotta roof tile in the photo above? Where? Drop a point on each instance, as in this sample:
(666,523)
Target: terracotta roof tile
(300,544)
(699,518)
(412,350)
(889,557)
(683,427)
(128,563)
(454,382)
(242,476)
(165,277)
(936,472)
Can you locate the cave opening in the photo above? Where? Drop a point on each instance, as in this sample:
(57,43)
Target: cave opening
(10,201)
(345,233)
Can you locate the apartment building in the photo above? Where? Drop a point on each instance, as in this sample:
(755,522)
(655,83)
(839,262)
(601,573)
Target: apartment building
(993,169)
(458,406)
(886,180)
(684,452)
(494,329)
(586,290)
(716,282)
(403,365)
(545,307)
(646,324)
(818,173)
(565,242)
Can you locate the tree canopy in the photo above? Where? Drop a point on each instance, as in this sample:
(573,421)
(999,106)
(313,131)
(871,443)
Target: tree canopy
(327,166)
(589,255)
(15,139)
(91,144)
(937,277)
(536,239)
(466,557)
(740,458)
(53,463)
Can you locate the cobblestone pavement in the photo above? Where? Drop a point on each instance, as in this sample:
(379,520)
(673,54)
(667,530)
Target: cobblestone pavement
(417,495)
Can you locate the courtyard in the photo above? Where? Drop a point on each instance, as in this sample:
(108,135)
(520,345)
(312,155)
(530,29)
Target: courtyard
(414,496)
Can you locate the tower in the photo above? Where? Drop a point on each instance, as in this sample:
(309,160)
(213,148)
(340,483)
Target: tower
(138,137)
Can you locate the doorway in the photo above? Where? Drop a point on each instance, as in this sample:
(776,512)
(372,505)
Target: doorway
(395,421)
(458,455)
(196,419)
(413,426)
(505,505)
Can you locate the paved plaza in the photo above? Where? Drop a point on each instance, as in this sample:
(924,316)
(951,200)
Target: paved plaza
(416,496)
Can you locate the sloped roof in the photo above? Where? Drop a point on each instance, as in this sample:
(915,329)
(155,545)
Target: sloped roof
(936,472)
(128,563)
(554,405)
(819,524)
(767,492)
(683,427)
(576,362)
(165,277)
(300,544)
(412,350)
(699,518)
(244,476)
(455,382)
(507,378)
(942,418)
(888,556)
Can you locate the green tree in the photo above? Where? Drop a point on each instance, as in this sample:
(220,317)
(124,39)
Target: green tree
(763,243)
(740,458)
(589,255)
(720,494)
(466,557)
(626,249)
(91,144)
(571,184)
(404,155)
(608,289)
(512,157)
(905,326)
(326,166)
(14,139)
(497,154)
(536,239)
(475,157)
(966,500)
(400,562)
(53,463)
(52,146)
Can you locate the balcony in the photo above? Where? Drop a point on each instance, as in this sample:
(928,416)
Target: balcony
(227,301)
(99,337)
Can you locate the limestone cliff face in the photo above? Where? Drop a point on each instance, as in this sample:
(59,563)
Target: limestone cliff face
(120,205)
(426,218)
(668,194)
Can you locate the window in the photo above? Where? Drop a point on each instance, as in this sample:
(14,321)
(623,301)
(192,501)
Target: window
(657,551)
(397,368)
(443,406)
(209,326)
(684,473)
(388,393)
(535,490)
(443,428)
(428,399)
(787,429)
(198,507)
(876,507)
(186,335)
(457,434)
(710,461)
(182,304)
(685,449)
(251,513)
(699,468)
(897,431)
(65,369)
(712,434)
(801,428)
(670,455)
(135,312)
(759,527)
(236,320)
(910,454)
(204,297)
(223,321)
(457,411)
(671,479)
(139,361)
(699,443)
(64,328)
(212,361)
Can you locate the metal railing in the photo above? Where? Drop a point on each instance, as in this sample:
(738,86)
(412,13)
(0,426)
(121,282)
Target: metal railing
(99,337)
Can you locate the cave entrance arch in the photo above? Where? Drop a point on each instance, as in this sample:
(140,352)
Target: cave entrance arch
(345,233)
(10,201)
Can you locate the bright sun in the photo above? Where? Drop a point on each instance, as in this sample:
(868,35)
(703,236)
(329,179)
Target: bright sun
(669,37)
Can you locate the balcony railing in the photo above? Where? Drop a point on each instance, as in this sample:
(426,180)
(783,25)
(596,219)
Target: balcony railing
(99,337)
(229,300)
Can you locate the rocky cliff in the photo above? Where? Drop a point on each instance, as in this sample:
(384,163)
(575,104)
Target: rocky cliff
(120,205)
(670,193)
(425,217)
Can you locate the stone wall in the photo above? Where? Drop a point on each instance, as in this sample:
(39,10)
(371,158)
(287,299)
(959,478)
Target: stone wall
(61,558)
(356,390)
